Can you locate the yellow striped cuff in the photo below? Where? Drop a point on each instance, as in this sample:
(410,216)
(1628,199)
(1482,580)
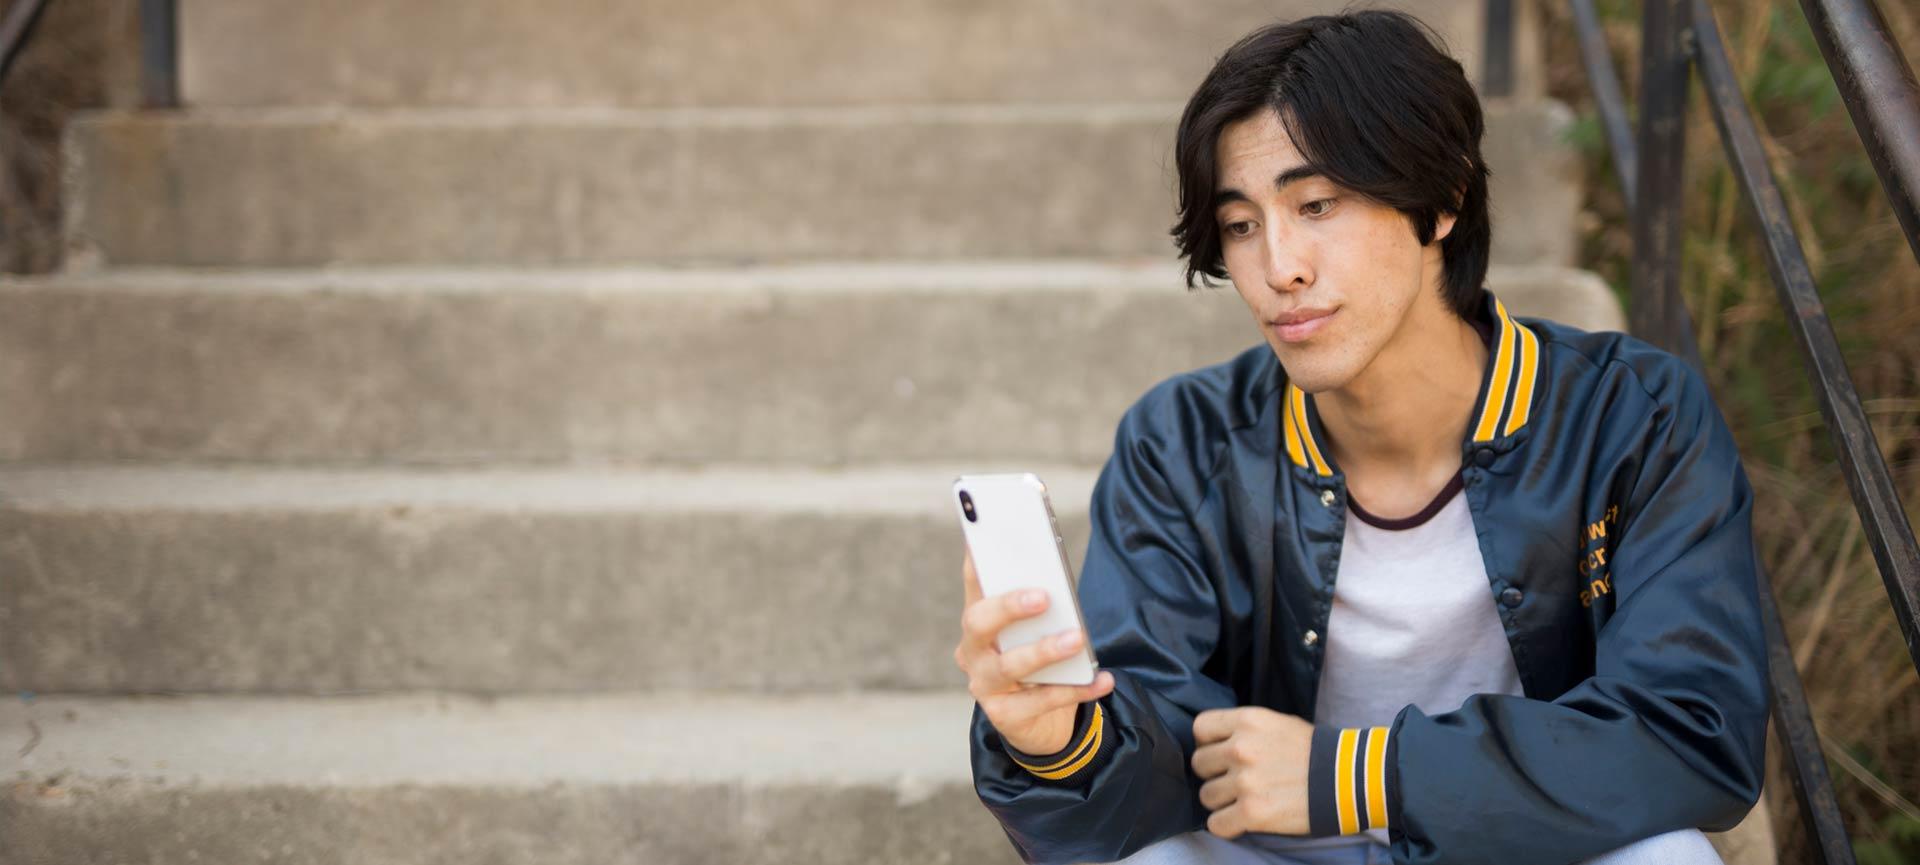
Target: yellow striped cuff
(1089,736)
(1347,779)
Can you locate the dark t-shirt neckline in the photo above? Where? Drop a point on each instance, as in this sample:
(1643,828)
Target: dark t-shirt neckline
(1454,485)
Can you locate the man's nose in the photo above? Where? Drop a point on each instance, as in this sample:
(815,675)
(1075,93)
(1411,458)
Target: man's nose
(1288,261)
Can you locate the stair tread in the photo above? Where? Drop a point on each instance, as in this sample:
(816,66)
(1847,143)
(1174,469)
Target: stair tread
(423,186)
(519,740)
(897,489)
(839,276)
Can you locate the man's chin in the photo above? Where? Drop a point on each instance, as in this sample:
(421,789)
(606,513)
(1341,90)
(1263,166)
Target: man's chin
(1308,372)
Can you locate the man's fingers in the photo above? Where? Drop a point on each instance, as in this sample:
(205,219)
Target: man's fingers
(1017,664)
(983,620)
(992,671)
(1227,822)
(1035,701)
(1210,760)
(1214,725)
(1041,699)
(1218,793)
(971,579)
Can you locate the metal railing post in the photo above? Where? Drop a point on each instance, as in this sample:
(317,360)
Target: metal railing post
(159,59)
(1497,51)
(1661,156)
(1607,98)
(13,31)
(1800,740)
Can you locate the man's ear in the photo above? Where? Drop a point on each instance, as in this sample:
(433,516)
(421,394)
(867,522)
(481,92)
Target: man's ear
(1443,224)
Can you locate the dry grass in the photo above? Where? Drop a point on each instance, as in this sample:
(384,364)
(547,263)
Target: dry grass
(1861,683)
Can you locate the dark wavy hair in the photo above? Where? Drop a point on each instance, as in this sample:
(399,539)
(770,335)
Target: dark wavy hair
(1372,97)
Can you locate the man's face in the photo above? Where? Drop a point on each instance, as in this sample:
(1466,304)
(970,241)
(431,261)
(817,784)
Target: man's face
(1297,246)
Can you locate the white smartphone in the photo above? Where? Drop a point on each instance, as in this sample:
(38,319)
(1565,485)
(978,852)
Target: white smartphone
(1016,544)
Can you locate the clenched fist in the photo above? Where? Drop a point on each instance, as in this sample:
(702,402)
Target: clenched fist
(1255,760)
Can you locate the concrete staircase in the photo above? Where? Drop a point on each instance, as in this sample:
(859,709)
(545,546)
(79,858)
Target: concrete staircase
(519,433)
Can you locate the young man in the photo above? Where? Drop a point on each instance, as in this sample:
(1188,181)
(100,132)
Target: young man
(1416,577)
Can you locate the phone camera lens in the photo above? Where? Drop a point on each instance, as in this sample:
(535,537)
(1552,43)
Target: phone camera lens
(966,506)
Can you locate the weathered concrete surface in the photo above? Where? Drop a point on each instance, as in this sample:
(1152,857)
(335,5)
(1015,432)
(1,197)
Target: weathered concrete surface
(671,53)
(428,779)
(291,188)
(813,365)
(567,824)
(1576,297)
(143,580)
(908,741)
(1535,187)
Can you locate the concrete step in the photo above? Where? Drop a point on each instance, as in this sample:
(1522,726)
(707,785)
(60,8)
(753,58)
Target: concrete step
(660,780)
(673,53)
(821,365)
(291,188)
(132,579)
(657,779)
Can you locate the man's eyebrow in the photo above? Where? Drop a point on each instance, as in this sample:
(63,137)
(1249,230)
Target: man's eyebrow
(1298,172)
(1228,194)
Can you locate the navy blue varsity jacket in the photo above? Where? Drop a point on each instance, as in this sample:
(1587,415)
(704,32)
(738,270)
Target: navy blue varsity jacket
(1615,522)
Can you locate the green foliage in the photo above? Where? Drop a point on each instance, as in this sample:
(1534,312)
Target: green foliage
(1899,844)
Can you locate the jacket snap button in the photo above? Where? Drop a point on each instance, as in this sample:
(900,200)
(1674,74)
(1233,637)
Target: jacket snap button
(1511,597)
(1311,638)
(1326,498)
(1483,457)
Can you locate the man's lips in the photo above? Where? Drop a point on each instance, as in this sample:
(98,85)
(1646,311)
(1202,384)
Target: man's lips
(1301,324)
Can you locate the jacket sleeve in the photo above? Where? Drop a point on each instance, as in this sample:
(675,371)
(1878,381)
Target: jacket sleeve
(1153,620)
(1668,733)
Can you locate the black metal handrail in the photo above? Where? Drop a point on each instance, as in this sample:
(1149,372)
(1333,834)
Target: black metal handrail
(1606,95)
(1677,35)
(159,64)
(1496,63)
(1881,97)
(159,57)
(13,31)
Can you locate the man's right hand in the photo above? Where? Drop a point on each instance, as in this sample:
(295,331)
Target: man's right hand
(1036,719)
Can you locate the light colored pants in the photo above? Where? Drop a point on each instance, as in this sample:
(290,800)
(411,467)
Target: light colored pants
(1681,847)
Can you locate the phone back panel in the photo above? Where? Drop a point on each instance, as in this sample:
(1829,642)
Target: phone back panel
(1016,545)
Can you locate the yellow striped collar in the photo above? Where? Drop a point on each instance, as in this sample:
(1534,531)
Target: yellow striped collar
(1507,394)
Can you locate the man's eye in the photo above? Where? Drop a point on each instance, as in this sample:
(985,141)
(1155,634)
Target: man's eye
(1239,229)
(1311,211)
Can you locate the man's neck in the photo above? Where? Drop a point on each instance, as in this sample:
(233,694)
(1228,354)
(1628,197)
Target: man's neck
(1404,416)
